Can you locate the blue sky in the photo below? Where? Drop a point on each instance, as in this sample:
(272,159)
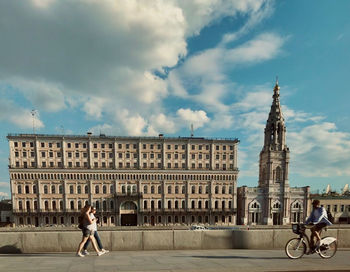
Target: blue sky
(149,67)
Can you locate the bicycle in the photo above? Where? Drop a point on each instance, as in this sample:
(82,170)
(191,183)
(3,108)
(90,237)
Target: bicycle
(297,247)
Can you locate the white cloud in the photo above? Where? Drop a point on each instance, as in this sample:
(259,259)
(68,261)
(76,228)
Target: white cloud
(2,194)
(197,117)
(4,184)
(20,117)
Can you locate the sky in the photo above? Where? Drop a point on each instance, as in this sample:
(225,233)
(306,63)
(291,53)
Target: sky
(141,68)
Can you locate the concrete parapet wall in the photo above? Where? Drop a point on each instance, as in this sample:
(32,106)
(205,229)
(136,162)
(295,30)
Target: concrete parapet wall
(67,241)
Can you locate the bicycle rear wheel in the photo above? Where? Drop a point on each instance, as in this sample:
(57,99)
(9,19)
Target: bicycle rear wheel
(328,251)
(295,248)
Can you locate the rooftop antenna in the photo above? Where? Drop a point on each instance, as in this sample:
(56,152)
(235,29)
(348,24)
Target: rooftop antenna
(191,130)
(33,113)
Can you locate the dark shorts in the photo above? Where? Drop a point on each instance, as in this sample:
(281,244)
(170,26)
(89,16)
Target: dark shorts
(319,226)
(87,232)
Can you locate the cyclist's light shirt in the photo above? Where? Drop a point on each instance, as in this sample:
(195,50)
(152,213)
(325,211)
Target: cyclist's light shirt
(318,215)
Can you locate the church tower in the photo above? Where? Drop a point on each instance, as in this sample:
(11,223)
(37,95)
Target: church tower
(273,165)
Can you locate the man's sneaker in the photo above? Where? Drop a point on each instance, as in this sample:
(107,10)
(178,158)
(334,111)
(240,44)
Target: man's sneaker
(100,253)
(85,252)
(104,250)
(80,255)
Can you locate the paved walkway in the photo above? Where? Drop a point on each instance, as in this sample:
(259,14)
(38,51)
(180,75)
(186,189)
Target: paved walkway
(180,260)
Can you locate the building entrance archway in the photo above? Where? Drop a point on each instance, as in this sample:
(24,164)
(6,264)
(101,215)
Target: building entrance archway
(128,214)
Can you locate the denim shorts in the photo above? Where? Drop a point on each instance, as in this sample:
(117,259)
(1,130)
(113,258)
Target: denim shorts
(87,232)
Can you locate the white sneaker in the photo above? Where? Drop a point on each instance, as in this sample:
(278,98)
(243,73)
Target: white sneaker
(80,255)
(104,250)
(100,253)
(85,252)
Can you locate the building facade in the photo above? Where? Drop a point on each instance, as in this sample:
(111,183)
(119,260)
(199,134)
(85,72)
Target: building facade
(337,204)
(130,180)
(273,202)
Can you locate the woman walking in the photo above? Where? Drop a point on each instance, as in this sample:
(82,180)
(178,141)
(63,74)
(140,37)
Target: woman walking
(93,227)
(88,233)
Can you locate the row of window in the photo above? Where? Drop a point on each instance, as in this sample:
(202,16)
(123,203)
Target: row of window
(181,177)
(127,146)
(103,155)
(79,189)
(134,165)
(336,208)
(195,204)
(58,205)
(54,220)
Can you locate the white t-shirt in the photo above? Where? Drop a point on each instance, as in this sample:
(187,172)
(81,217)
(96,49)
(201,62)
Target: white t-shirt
(92,226)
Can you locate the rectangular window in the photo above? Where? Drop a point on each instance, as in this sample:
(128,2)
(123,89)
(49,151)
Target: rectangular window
(120,146)
(224,157)
(103,155)
(159,146)
(207,147)
(77,164)
(23,144)
(200,147)
(16,154)
(217,147)
(42,144)
(159,155)
(169,147)
(144,155)
(95,145)
(33,164)
(43,154)
(58,145)
(144,146)
(193,147)
(111,165)
(159,165)
(128,165)
(176,147)
(120,165)
(59,164)
(176,156)
(151,146)
(50,145)
(77,154)
(84,145)
(207,165)
(120,155)
(135,146)
(110,145)
(152,156)
(85,164)
(102,145)
(43,164)
(184,156)
(217,166)
(103,165)
(96,164)
(193,156)
(32,154)
(176,165)
(184,165)
(217,157)
(31,144)
(224,147)
(15,144)
(70,164)
(95,155)
(144,165)
(85,155)
(76,145)
(169,156)
(110,155)
(58,154)
(127,155)
(193,165)
(152,165)
(169,165)
(17,164)
(207,156)
(200,156)
(135,155)
(69,145)
(335,208)
(342,208)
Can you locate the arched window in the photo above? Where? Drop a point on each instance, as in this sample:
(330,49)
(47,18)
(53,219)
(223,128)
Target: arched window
(79,189)
(277,205)
(200,204)
(278,174)
(159,189)
(193,189)
(183,204)
(169,204)
(223,206)
(34,189)
(60,189)
(27,189)
(200,190)
(123,189)
(152,189)
(71,189)
(216,204)
(97,205)
(86,189)
(104,205)
(72,205)
(145,189)
(79,205)
(61,205)
(216,189)
(145,204)
(28,205)
(230,190)
(54,207)
(207,204)
(111,189)
(19,189)
(112,205)
(176,204)
(230,204)
(192,204)
(183,190)
(46,190)
(159,204)
(72,220)
(207,189)
(53,189)
(152,204)
(97,189)
(176,189)
(104,189)
(223,189)
(133,189)
(169,189)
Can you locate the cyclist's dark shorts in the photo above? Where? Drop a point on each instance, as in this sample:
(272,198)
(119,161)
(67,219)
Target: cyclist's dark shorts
(319,226)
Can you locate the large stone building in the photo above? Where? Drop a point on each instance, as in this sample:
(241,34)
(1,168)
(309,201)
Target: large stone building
(130,180)
(273,202)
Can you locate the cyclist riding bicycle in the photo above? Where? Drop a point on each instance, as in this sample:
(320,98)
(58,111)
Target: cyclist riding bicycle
(319,219)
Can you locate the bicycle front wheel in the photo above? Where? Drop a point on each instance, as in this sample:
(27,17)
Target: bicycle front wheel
(328,251)
(295,248)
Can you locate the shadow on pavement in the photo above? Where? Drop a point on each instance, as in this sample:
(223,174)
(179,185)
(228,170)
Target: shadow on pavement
(238,257)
